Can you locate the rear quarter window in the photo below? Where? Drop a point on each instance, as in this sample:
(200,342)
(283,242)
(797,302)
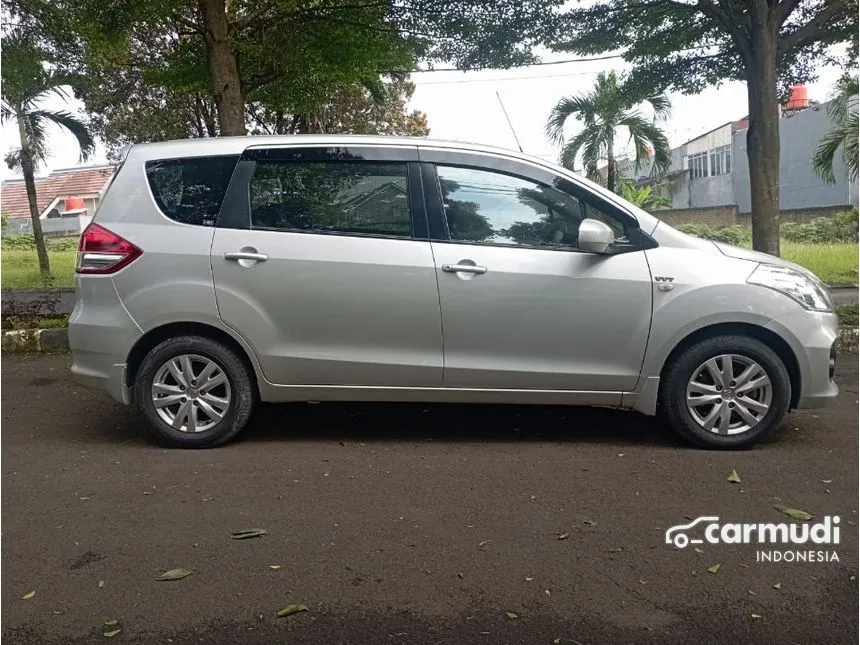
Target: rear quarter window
(190,190)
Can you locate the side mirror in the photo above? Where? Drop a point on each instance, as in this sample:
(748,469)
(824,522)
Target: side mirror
(595,236)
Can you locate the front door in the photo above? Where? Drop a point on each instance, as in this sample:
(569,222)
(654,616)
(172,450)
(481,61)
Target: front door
(321,262)
(522,306)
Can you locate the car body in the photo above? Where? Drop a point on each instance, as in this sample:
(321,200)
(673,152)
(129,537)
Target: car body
(401,269)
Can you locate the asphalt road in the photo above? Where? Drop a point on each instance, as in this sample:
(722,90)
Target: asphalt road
(409,524)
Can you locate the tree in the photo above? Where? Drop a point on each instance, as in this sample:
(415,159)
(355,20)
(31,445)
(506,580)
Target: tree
(289,55)
(642,196)
(689,44)
(843,110)
(603,110)
(26,81)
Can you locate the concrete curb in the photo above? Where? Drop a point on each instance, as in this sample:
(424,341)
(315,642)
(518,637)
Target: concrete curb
(36,340)
(57,340)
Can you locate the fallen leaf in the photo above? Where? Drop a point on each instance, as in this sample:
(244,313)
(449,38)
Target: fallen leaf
(714,568)
(275,566)
(777,586)
(511,615)
(175,574)
(101,583)
(793,513)
(27,596)
(564,536)
(755,616)
(460,575)
(529,579)
(289,610)
(110,622)
(734,477)
(111,633)
(248,533)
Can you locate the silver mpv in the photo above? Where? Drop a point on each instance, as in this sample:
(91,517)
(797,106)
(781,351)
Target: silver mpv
(226,271)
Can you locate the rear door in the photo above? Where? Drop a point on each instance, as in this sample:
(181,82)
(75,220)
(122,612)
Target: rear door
(322,262)
(522,306)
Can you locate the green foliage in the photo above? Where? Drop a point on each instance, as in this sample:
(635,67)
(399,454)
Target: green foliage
(688,46)
(842,227)
(26,241)
(642,196)
(842,135)
(848,315)
(735,235)
(143,68)
(603,111)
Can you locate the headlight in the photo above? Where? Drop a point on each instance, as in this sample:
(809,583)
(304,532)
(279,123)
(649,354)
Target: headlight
(805,289)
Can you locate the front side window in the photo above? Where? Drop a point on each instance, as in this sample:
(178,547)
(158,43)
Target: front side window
(357,197)
(493,208)
(190,190)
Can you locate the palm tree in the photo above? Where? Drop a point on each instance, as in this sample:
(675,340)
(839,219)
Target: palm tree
(26,82)
(843,111)
(603,110)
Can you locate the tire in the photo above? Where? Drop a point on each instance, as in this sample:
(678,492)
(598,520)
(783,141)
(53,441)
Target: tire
(199,424)
(693,368)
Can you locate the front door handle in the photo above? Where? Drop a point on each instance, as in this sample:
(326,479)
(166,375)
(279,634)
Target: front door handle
(246,255)
(464,268)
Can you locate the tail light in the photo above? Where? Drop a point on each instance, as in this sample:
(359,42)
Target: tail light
(102,251)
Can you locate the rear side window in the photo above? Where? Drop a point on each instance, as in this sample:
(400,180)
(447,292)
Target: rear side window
(361,198)
(190,190)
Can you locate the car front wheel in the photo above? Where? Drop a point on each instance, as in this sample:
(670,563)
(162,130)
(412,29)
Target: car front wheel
(195,392)
(727,392)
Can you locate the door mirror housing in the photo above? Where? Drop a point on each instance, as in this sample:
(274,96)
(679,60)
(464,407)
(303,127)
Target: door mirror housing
(595,236)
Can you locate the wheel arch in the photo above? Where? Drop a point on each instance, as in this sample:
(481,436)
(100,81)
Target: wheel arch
(156,335)
(766,336)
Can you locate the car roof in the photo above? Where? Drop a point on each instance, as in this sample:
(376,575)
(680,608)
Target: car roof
(238,144)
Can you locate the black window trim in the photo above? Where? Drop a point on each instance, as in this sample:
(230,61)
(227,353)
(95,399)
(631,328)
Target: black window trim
(236,207)
(438,226)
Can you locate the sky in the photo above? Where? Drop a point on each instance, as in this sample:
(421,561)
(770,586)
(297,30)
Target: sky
(464,106)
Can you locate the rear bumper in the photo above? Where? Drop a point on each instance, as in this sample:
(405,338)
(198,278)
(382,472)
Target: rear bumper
(812,337)
(111,380)
(101,335)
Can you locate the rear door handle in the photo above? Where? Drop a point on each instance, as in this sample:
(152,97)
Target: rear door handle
(246,255)
(464,268)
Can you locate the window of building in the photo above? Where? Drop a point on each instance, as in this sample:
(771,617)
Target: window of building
(721,160)
(494,208)
(363,198)
(698,164)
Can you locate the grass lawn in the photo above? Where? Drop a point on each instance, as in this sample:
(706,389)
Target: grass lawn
(20,269)
(833,263)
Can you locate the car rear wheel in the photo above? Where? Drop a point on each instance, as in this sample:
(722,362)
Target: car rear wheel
(195,392)
(727,392)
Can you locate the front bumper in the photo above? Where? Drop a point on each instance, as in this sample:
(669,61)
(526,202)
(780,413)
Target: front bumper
(812,337)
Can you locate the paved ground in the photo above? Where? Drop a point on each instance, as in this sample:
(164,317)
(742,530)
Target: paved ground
(409,524)
(62,301)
